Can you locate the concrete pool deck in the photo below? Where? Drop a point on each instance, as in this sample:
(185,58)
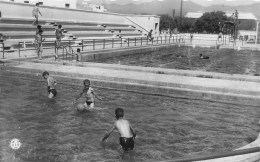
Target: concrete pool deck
(221,87)
(231,88)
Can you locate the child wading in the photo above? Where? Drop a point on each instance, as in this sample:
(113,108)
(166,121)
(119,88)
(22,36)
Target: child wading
(89,94)
(78,55)
(127,134)
(51,83)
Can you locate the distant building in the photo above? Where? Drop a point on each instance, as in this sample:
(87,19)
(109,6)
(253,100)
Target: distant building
(98,8)
(52,3)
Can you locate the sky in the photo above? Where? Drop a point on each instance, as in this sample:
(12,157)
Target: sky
(200,2)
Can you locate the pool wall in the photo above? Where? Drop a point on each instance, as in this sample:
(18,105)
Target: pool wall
(104,54)
(140,86)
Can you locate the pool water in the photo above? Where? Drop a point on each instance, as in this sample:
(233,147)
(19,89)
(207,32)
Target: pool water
(167,128)
(228,61)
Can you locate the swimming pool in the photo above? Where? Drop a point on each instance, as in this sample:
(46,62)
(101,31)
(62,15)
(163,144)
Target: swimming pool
(228,61)
(50,130)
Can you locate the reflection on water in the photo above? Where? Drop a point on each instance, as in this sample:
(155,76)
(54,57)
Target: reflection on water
(51,130)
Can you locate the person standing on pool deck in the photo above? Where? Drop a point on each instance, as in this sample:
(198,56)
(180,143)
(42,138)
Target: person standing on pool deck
(149,36)
(89,94)
(51,83)
(59,35)
(35,13)
(127,134)
(38,41)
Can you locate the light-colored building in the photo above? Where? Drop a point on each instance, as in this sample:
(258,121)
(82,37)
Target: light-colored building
(53,3)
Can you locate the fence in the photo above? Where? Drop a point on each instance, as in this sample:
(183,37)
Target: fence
(110,43)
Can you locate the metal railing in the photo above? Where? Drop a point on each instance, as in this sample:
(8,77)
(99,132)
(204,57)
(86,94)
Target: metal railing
(110,43)
(67,53)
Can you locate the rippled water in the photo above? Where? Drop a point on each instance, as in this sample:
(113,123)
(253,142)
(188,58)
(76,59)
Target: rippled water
(51,130)
(221,60)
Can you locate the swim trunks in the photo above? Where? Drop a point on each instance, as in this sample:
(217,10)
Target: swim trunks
(127,143)
(88,102)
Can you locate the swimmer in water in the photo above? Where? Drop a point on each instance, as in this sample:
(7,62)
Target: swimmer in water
(89,94)
(127,134)
(51,83)
(204,57)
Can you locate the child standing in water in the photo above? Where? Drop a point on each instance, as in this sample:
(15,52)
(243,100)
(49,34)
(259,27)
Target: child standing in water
(127,134)
(78,55)
(89,94)
(51,83)
(38,42)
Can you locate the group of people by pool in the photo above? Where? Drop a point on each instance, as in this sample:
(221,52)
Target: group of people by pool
(127,134)
(39,38)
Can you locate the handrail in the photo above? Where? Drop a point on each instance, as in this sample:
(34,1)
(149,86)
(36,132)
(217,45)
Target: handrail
(70,48)
(128,18)
(217,155)
(122,42)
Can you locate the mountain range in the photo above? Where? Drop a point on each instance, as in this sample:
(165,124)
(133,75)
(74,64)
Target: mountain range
(167,7)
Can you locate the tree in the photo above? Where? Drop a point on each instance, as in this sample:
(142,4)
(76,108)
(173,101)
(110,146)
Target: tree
(167,22)
(210,21)
(186,25)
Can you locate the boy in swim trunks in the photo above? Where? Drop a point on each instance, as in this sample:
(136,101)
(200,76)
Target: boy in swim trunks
(89,94)
(36,11)
(59,35)
(127,134)
(50,85)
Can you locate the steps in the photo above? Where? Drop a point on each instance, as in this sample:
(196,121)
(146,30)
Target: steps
(17,30)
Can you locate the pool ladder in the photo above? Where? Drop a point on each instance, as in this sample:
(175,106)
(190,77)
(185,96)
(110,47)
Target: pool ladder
(67,53)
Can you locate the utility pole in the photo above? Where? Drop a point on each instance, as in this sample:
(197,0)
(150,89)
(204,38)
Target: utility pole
(181,10)
(235,26)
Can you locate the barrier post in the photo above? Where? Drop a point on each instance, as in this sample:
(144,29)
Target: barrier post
(3,50)
(19,49)
(55,47)
(63,53)
(93,44)
(112,42)
(82,45)
(69,47)
(104,42)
